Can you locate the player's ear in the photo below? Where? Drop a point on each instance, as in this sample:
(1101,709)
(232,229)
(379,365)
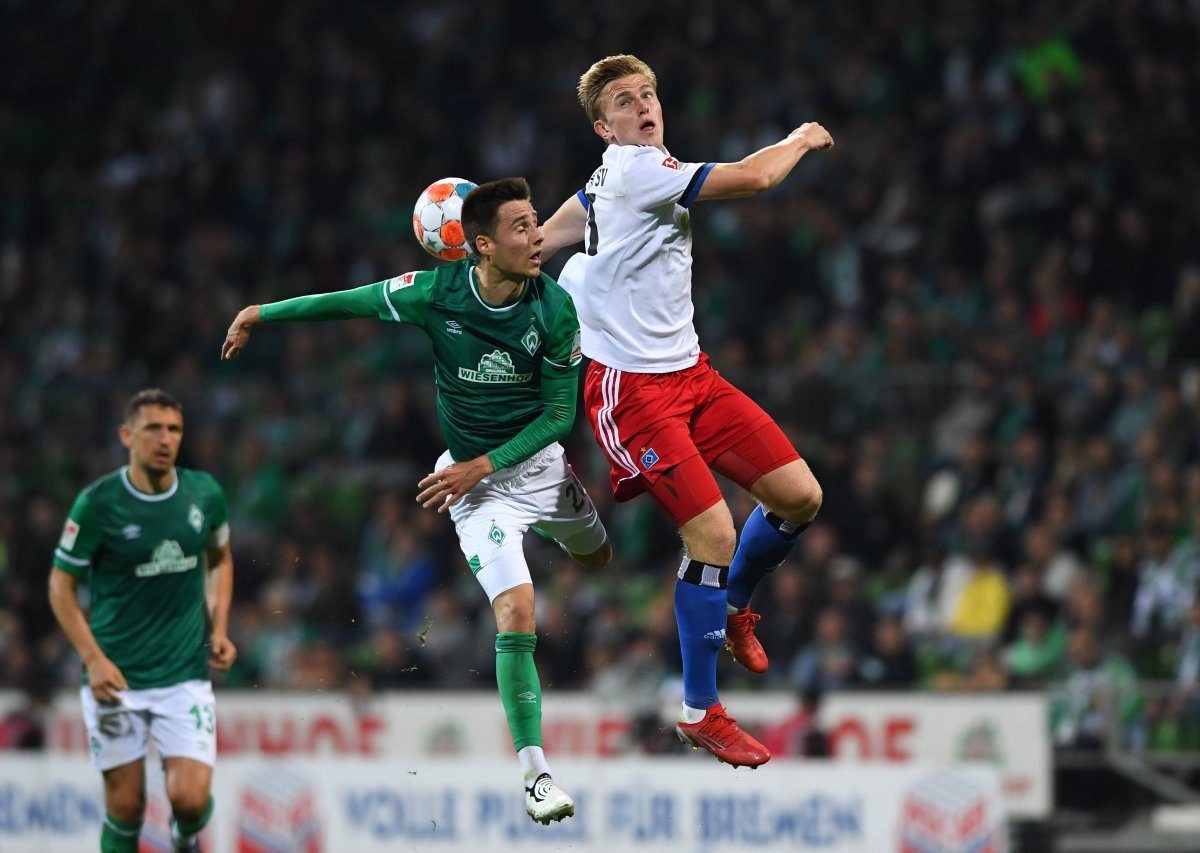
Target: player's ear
(601,130)
(483,246)
(126,435)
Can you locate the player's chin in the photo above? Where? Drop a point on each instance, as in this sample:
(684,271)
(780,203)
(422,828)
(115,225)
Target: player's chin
(533,266)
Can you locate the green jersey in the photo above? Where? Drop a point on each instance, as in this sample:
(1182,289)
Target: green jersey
(490,361)
(144,558)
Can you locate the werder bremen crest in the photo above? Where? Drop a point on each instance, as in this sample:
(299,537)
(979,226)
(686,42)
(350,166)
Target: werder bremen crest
(496,366)
(532,340)
(167,558)
(195,518)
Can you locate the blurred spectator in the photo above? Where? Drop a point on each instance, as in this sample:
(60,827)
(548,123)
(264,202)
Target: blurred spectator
(1038,650)
(847,597)
(447,642)
(789,613)
(389,661)
(333,609)
(1098,698)
(393,588)
(830,661)
(981,603)
(1028,597)
(1056,566)
(890,663)
(927,602)
(1167,580)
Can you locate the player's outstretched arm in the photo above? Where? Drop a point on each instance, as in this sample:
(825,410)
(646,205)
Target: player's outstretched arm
(366,301)
(765,168)
(564,228)
(104,678)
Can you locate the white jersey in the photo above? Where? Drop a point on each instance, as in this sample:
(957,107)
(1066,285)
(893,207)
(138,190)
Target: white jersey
(634,292)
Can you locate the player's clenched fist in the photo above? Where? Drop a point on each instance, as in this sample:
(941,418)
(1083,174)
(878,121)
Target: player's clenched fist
(815,137)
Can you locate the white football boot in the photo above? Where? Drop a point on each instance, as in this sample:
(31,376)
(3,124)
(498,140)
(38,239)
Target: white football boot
(545,801)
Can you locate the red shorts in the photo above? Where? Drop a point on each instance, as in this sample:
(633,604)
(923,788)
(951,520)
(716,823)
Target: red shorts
(649,423)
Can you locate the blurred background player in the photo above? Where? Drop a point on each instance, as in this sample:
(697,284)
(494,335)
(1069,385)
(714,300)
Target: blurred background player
(506,343)
(658,409)
(146,538)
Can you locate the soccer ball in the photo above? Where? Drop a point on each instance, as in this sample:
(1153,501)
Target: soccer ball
(437,219)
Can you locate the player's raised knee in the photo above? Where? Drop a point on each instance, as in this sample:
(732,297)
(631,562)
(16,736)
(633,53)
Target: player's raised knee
(597,559)
(801,502)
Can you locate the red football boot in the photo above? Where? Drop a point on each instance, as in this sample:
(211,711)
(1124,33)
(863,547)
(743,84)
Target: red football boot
(719,734)
(741,642)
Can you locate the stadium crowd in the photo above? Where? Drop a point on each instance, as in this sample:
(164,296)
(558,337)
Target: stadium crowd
(979,320)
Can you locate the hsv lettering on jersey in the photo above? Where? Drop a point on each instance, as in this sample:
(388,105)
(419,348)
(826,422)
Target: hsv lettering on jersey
(69,535)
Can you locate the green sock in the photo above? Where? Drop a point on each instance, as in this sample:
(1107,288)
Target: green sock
(119,837)
(520,690)
(185,830)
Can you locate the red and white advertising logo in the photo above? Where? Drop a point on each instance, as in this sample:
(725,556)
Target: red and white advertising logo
(671,163)
(69,535)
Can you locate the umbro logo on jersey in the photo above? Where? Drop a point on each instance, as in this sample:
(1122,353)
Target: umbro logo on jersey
(454,327)
(527,697)
(671,163)
(131,531)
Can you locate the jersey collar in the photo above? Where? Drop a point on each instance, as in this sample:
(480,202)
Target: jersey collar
(142,496)
(493,308)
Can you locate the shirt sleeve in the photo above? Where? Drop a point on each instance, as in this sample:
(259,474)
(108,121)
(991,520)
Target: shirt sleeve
(652,178)
(562,349)
(80,539)
(403,299)
(559,389)
(219,514)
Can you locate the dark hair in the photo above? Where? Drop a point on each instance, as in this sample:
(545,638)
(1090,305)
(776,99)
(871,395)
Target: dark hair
(150,397)
(481,208)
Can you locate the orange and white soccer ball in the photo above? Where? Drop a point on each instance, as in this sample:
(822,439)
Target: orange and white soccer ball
(437,219)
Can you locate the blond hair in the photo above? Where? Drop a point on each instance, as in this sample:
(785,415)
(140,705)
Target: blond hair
(603,72)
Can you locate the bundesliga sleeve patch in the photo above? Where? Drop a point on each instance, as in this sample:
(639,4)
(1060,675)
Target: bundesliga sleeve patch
(671,163)
(69,535)
(401,281)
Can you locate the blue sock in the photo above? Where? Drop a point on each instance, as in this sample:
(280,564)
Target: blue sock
(761,547)
(700,616)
